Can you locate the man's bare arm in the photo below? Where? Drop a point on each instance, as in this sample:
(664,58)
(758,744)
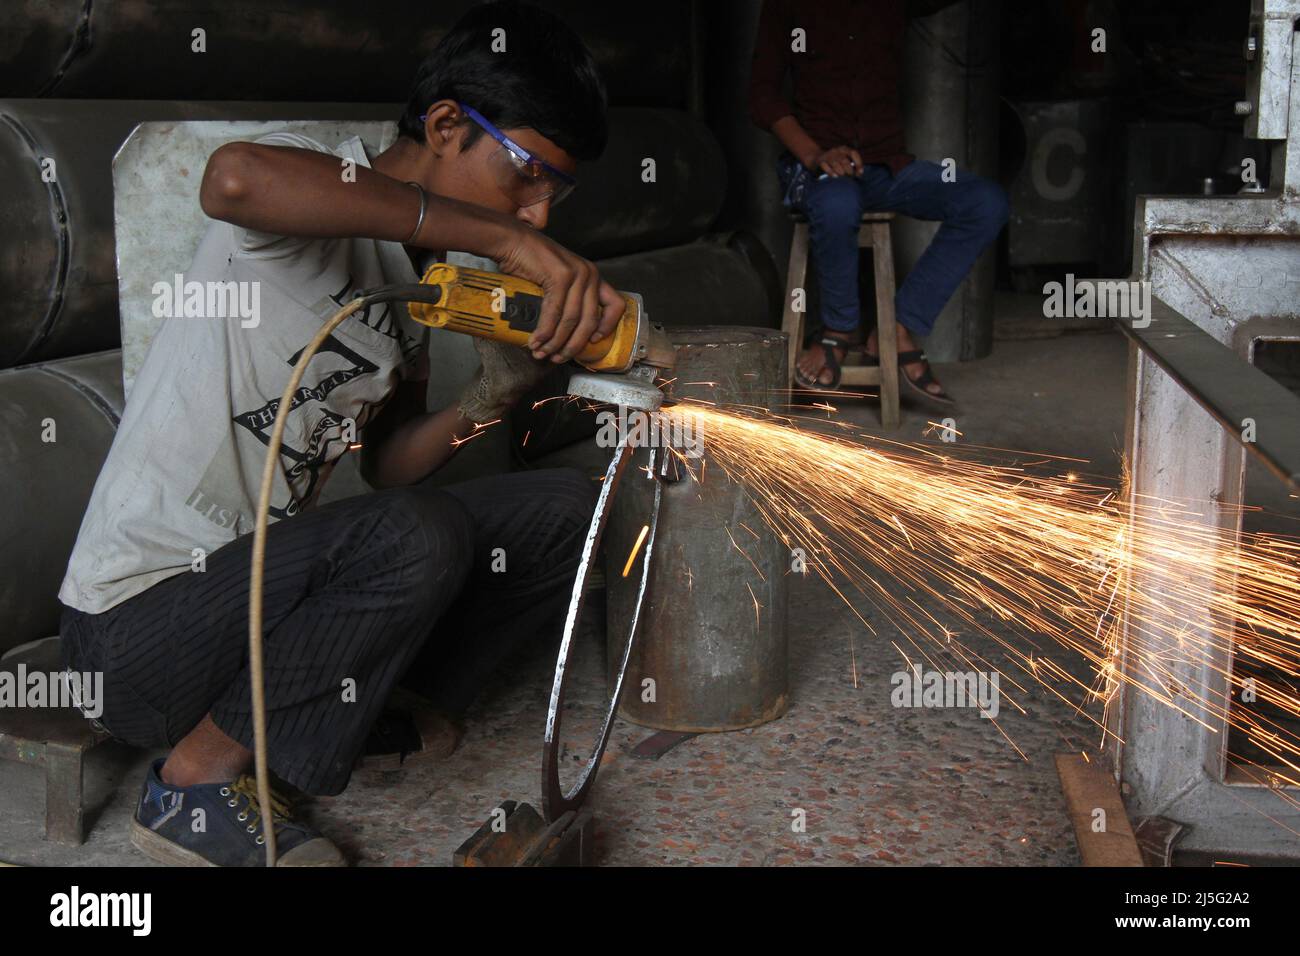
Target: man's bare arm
(288,191)
(404,444)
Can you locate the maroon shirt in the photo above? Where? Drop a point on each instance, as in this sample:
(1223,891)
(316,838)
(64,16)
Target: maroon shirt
(845,84)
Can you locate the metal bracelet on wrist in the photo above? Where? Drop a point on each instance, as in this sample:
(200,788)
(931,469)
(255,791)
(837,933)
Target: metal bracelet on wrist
(424,206)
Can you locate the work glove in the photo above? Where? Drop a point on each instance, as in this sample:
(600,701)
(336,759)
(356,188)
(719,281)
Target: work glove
(506,372)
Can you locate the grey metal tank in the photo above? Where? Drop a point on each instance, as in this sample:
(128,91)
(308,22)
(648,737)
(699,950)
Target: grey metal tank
(715,662)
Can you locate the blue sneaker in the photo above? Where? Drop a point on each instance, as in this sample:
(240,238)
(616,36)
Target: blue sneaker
(220,824)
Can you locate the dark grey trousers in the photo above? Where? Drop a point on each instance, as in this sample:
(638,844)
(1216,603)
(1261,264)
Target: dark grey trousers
(403,584)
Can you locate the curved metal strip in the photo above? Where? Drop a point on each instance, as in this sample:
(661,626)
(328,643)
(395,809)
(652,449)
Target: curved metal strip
(555,802)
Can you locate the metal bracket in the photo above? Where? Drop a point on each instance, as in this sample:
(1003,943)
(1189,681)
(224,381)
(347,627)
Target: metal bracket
(516,836)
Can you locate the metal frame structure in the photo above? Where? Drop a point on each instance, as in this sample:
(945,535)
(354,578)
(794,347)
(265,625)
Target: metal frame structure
(1224,274)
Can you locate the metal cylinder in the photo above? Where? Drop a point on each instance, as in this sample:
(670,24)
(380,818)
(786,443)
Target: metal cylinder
(949,92)
(58,264)
(712,651)
(303,50)
(753,201)
(660,182)
(56,424)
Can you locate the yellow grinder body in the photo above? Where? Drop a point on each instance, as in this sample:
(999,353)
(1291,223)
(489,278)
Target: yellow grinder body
(506,309)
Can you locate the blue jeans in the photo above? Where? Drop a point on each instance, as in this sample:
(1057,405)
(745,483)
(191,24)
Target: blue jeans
(972,210)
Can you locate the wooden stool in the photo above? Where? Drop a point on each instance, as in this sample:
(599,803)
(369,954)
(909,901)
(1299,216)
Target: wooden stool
(873,234)
(53,738)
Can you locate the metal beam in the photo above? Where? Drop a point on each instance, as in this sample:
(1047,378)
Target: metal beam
(1230,389)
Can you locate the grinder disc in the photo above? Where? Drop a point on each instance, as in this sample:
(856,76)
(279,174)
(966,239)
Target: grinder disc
(629,390)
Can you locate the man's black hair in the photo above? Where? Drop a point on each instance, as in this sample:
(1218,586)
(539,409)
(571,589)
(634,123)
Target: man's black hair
(544,80)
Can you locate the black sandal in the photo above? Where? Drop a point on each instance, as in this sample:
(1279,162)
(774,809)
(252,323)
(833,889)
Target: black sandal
(829,344)
(918,384)
(400,737)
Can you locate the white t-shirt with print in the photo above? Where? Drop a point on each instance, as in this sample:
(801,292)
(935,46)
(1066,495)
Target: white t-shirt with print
(185,467)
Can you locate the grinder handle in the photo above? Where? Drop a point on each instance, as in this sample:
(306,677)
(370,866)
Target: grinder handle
(505,308)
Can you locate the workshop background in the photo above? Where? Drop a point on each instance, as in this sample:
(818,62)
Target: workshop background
(1010,89)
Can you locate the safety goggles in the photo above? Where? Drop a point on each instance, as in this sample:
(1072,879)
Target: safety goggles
(524,177)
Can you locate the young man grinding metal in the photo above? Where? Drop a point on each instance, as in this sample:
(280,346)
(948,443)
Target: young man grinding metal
(364,592)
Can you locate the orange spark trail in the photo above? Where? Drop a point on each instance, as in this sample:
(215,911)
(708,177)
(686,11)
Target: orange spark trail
(645,529)
(1054,562)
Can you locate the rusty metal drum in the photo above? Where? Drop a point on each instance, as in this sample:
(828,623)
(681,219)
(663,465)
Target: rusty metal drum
(707,658)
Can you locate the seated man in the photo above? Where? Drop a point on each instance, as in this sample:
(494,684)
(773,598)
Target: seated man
(359,590)
(844,156)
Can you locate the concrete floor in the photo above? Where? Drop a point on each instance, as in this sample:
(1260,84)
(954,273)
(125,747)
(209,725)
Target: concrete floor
(879,784)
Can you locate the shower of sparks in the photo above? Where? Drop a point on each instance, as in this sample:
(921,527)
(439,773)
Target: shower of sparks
(1034,564)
